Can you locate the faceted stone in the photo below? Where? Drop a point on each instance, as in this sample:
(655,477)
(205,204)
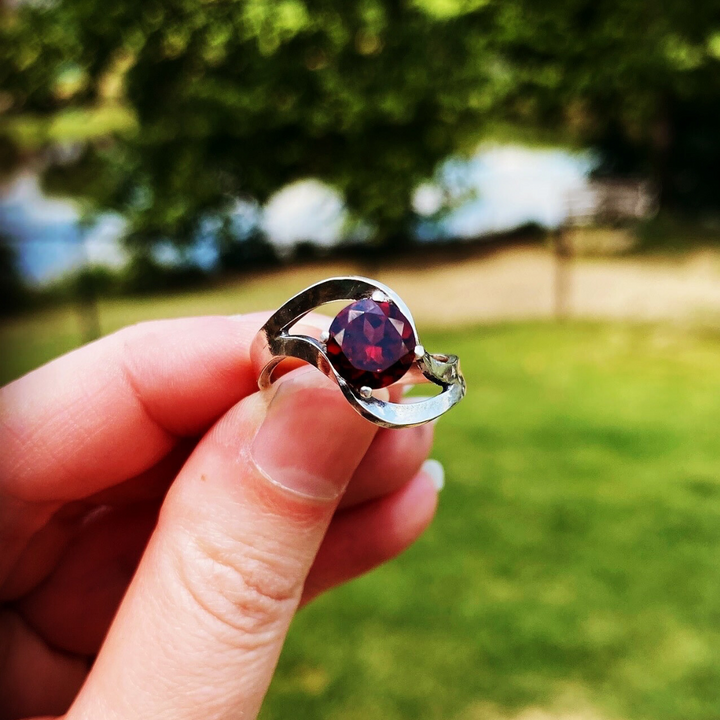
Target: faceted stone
(371,343)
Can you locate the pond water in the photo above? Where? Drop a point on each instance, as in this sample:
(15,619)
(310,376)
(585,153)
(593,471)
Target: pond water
(500,188)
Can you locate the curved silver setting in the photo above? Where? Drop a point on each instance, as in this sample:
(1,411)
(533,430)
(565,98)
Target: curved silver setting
(274,343)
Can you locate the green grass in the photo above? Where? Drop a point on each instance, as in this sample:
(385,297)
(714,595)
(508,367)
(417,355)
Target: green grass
(575,558)
(576,550)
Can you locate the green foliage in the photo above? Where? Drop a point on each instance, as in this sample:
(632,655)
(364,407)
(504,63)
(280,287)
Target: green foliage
(35,131)
(674,235)
(248,253)
(145,275)
(209,101)
(13,295)
(240,97)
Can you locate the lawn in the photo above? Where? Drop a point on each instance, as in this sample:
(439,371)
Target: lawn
(575,561)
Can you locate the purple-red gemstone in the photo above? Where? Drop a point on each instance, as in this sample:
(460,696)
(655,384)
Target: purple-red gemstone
(371,343)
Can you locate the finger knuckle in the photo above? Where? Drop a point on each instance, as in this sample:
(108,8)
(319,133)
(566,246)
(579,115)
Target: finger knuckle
(246,592)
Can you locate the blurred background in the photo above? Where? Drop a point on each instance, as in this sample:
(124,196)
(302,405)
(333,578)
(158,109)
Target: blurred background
(541,183)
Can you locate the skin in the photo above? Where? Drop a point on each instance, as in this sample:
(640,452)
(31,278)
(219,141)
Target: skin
(161,521)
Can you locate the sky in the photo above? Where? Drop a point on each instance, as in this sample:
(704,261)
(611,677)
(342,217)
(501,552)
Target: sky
(498,189)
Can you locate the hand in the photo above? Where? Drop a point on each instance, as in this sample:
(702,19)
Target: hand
(161,521)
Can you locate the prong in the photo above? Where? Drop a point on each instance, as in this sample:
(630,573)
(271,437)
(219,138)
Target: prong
(379,296)
(365,392)
(419,352)
(324,336)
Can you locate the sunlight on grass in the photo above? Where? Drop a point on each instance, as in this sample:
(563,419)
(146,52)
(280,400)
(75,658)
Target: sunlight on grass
(576,544)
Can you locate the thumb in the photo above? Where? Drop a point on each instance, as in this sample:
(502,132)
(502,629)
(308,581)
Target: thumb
(200,629)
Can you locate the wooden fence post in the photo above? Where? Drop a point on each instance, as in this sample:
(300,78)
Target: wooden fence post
(562,273)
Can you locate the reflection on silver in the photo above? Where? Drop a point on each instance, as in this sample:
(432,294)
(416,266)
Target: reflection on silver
(274,343)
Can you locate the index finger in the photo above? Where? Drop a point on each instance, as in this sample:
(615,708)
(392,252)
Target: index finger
(112,409)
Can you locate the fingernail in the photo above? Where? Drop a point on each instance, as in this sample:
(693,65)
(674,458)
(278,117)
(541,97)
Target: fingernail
(311,440)
(436,471)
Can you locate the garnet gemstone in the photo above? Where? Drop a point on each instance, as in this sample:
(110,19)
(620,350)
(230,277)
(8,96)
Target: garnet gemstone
(371,343)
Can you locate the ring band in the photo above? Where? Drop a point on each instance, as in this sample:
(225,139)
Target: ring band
(378,329)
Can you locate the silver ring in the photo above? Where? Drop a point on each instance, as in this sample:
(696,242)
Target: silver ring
(372,343)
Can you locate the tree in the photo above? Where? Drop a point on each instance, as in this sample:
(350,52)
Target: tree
(14,296)
(238,98)
(636,79)
(233,98)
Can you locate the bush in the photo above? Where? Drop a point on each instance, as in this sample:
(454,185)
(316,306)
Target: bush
(14,295)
